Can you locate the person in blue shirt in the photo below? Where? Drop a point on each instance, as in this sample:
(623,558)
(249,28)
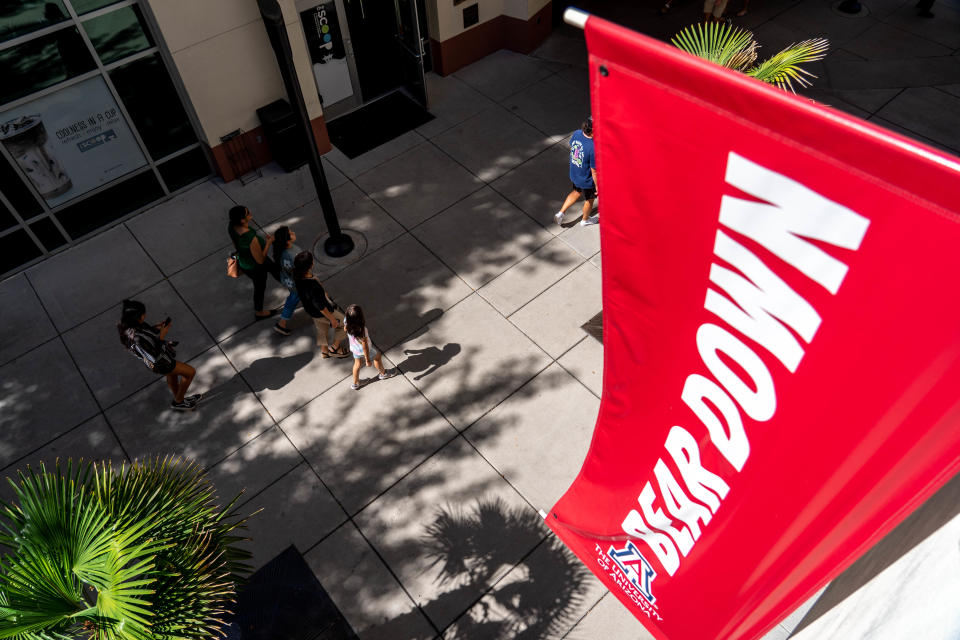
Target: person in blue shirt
(583,174)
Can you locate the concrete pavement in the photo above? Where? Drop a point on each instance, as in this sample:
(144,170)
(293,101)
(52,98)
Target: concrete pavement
(414,500)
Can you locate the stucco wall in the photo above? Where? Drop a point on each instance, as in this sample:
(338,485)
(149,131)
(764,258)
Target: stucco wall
(222,54)
(446,20)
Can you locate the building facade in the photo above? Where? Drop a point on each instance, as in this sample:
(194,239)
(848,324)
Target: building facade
(107,107)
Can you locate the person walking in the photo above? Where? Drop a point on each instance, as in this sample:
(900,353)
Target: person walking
(583,174)
(319,306)
(284,252)
(361,345)
(149,344)
(252,256)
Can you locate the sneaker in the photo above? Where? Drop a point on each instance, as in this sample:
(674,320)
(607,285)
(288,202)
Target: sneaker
(182,406)
(284,331)
(386,374)
(194,399)
(354,386)
(590,221)
(558,216)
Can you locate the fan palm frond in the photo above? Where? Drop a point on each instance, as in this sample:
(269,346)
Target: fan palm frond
(783,68)
(736,49)
(139,553)
(719,43)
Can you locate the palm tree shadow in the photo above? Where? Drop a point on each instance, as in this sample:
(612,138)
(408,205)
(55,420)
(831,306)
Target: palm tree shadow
(539,597)
(428,360)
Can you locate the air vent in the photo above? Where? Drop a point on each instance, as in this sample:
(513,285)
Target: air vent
(471,15)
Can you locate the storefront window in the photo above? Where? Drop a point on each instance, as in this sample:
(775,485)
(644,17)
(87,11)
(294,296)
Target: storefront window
(118,34)
(185,168)
(6,218)
(72,141)
(48,234)
(17,248)
(86,6)
(82,147)
(153,105)
(37,64)
(19,17)
(110,204)
(16,192)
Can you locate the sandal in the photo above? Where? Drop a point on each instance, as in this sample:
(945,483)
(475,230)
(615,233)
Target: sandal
(339,352)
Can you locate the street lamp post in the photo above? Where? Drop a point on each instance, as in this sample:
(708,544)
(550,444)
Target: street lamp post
(338,244)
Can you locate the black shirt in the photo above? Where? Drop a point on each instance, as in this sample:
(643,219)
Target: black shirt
(313,297)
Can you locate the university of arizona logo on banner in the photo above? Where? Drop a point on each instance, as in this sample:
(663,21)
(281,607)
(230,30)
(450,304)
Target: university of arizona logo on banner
(632,573)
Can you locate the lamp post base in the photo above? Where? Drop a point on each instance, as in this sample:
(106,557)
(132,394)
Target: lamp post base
(337,247)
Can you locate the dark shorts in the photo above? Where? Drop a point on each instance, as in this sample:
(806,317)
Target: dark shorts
(588,193)
(164,367)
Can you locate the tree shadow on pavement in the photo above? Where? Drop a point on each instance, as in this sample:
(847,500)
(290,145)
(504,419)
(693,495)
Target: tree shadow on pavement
(541,595)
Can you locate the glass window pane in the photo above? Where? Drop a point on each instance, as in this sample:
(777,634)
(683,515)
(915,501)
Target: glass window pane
(18,17)
(16,191)
(40,63)
(48,234)
(118,34)
(108,205)
(86,6)
(153,105)
(185,168)
(6,218)
(16,249)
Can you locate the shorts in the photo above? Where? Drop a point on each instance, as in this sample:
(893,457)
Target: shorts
(717,7)
(164,366)
(588,193)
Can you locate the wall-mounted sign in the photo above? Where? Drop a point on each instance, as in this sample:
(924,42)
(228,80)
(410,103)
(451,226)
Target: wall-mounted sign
(327,52)
(71,141)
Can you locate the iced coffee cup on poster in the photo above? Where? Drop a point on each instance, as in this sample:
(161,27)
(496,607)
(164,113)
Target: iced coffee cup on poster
(26,140)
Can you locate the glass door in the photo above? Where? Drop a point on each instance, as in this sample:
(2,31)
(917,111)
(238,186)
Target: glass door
(411,27)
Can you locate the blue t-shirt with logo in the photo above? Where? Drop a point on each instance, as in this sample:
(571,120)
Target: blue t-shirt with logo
(582,159)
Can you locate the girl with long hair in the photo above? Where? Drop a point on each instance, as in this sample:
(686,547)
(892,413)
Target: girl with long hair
(319,306)
(149,344)
(361,346)
(284,251)
(252,256)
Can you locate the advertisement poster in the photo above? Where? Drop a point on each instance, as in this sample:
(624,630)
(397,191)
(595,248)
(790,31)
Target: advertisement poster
(71,141)
(327,53)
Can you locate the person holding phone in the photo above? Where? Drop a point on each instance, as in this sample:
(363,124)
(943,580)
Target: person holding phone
(149,344)
(253,256)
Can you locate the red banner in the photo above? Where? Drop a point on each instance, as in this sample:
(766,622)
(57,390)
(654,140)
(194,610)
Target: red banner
(781,337)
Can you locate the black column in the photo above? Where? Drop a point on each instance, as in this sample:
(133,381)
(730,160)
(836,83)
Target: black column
(338,244)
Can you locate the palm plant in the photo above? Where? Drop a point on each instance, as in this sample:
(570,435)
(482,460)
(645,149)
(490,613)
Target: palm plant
(736,49)
(139,553)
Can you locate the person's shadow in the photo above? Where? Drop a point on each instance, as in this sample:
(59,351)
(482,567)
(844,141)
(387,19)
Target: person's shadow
(428,360)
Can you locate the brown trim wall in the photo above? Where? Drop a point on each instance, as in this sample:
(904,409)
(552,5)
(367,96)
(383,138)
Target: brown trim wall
(258,151)
(503,32)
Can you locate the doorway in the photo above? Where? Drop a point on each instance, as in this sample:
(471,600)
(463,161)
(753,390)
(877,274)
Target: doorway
(363,50)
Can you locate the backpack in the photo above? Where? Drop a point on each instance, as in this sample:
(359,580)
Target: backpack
(150,349)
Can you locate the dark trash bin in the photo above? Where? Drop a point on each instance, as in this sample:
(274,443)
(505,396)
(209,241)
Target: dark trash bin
(288,147)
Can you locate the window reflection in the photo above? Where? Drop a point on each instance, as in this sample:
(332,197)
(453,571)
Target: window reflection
(117,34)
(153,105)
(18,17)
(86,6)
(47,60)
